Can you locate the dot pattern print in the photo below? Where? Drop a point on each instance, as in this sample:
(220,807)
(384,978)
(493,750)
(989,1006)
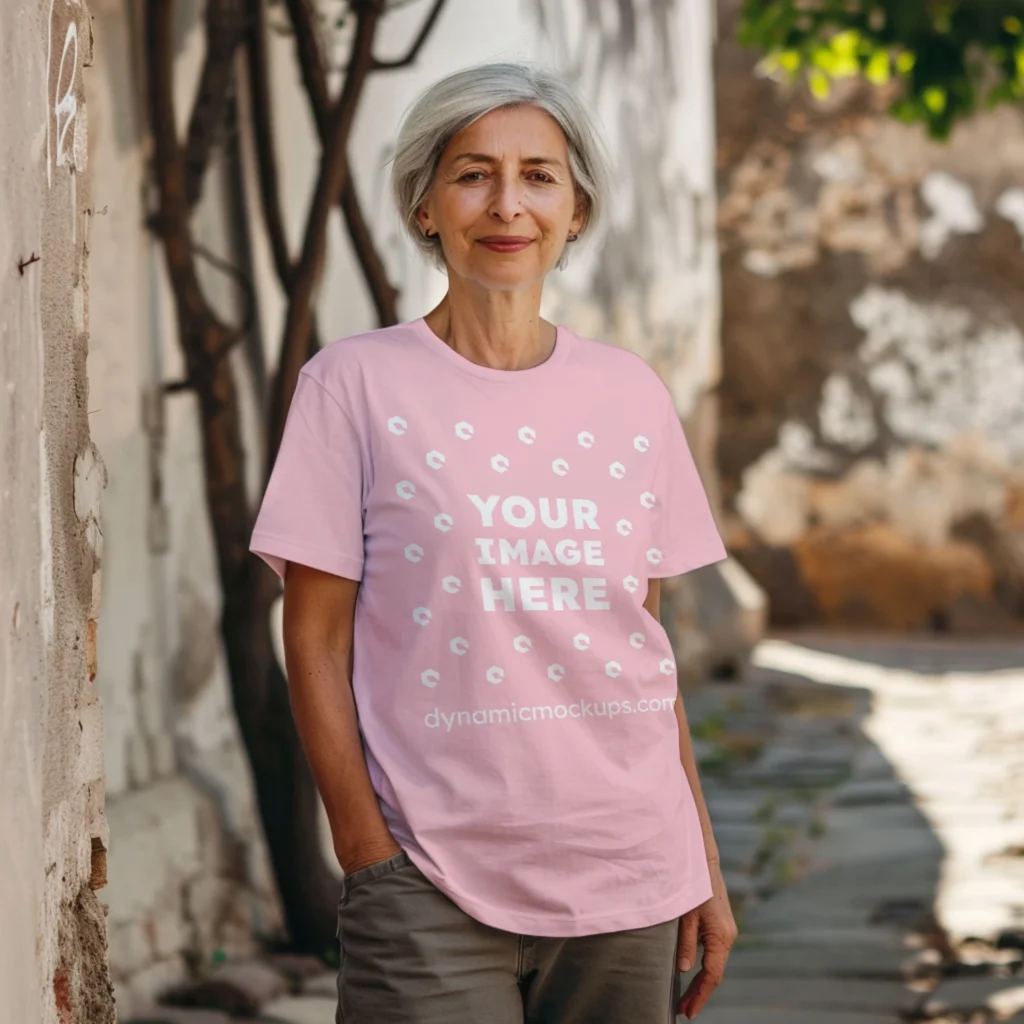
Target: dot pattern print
(398,425)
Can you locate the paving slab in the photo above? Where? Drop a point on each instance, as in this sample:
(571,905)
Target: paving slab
(793,815)
(740,885)
(863,962)
(873,833)
(792,763)
(843,895)
(738,844)
(1004,995)
(816,993)
(712,1014)
(833,935)
(870,763)
(858,792)
(733,806)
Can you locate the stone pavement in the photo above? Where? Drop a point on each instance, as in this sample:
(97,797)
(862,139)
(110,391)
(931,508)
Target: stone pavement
(892,811)
(868,801)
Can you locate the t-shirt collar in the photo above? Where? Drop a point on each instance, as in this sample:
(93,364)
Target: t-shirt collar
(459,362)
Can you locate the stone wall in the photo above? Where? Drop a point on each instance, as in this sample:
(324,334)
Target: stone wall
(872,429)
(53,964)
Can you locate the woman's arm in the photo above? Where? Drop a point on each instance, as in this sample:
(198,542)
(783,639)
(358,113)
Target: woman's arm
(653,604)
(711,924)
(319,612)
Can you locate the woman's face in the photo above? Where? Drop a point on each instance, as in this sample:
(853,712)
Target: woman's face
(503,199)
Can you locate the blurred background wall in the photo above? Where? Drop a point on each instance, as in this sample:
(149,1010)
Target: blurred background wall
(871,443)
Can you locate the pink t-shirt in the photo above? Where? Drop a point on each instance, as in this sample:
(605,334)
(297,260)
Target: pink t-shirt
(514,695)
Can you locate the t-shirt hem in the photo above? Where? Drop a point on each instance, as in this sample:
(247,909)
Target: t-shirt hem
(692,895)
(276,551)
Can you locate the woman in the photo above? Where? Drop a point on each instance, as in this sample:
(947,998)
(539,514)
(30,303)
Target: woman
(474,511)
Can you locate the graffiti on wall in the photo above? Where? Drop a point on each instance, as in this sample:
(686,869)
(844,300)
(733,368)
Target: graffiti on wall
(65,139)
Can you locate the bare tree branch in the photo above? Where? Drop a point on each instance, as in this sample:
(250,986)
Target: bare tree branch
(225,27)
(284,785)
(375,274)
(414,51)
(311,61)
(334,174)
(203,336)
(383,293)
(226,267)
(258,70)
(172,219)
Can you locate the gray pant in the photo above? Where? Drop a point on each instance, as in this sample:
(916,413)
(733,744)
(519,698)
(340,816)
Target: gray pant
(409,955)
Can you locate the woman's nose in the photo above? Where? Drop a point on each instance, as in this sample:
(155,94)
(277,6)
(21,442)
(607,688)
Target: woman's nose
(507,199)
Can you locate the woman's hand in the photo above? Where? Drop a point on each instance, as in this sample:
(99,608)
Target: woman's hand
(355,857)
(713,926)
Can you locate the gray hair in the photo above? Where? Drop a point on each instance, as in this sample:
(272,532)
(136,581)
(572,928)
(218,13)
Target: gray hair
(454,103)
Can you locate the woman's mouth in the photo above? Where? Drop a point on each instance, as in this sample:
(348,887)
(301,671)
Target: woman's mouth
(505,243)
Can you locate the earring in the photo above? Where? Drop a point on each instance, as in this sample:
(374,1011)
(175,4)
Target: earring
(430,234)
(574,236)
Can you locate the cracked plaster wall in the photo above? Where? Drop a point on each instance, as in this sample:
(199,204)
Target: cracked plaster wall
(872,429)
(53,958)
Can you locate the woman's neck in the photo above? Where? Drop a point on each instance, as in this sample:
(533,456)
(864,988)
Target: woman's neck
(502,330)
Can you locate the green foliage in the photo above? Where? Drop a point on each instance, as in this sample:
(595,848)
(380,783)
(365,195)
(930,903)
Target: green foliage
(950,57)
(710,728)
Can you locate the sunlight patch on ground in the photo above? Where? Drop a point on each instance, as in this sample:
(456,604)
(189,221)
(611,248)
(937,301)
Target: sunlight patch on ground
(957,740)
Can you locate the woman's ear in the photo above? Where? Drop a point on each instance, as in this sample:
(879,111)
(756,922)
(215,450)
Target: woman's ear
(425,222)
(580,216)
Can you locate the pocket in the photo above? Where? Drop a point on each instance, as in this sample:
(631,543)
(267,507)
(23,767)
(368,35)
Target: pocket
(371,873)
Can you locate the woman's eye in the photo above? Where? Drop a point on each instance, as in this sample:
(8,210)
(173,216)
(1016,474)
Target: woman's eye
(471,176)
(541,177)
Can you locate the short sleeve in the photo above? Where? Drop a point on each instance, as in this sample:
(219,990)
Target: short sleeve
(684,531)
(311,512)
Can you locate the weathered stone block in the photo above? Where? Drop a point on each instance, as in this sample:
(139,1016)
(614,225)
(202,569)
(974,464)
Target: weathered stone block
(297,966)
(145,986)
(239,989)
(301,1010)
(167,931)
(176,1015)
(155,845)
(130,949)
(324,984)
